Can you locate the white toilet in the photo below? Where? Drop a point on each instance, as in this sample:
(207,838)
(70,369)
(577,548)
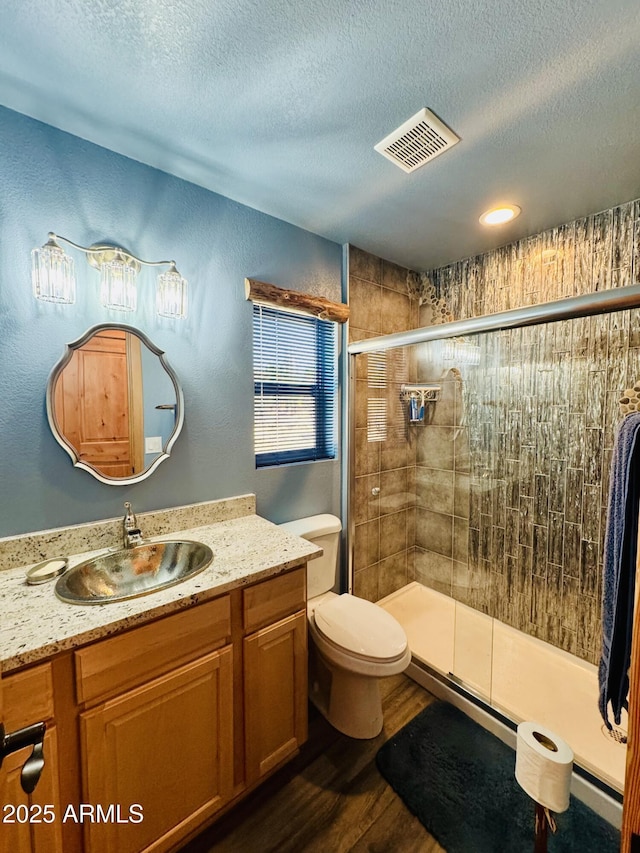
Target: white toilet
(353,642)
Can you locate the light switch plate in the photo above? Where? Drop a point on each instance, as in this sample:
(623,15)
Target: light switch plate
(153,444)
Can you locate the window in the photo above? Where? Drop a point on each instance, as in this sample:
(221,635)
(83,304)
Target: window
(294,387)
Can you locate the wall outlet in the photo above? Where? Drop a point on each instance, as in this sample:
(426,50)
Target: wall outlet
(153,444)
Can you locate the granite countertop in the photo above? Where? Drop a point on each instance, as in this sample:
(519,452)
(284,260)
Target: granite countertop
(35,624)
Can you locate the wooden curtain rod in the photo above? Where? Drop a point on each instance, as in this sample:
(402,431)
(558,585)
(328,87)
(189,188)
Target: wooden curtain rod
(260,291)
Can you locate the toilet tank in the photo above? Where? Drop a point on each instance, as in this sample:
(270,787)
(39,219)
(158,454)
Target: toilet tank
(323,531)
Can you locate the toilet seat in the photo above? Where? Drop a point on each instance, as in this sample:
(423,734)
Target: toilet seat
(361,628)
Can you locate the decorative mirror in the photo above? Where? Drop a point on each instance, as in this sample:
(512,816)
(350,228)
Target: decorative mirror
(114,404)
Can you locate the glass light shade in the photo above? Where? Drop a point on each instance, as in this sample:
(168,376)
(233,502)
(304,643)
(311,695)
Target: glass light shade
(118,285)
(171,295)
(52,274)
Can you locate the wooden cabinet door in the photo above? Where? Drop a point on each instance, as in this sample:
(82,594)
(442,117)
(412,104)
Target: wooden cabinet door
(26,826)
(166,747)
(275,689)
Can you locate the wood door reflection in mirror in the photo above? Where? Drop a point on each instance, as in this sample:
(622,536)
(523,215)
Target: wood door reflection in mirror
(114,404)
(98,403)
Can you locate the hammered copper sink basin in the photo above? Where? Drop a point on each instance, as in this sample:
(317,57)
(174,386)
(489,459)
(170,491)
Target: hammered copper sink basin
(131,572)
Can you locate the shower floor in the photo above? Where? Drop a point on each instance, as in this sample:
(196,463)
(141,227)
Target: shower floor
(522,677)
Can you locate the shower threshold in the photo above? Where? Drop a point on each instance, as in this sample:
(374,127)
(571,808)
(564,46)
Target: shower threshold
(511,675)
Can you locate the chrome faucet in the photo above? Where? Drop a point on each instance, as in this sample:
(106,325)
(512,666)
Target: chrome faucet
(131,533)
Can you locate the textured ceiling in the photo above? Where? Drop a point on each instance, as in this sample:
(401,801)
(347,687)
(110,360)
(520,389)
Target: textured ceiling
(278,104)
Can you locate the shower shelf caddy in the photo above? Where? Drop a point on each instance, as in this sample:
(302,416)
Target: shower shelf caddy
(416,396)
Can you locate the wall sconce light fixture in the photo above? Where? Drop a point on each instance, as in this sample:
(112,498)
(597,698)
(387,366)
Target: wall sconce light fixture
(53,277)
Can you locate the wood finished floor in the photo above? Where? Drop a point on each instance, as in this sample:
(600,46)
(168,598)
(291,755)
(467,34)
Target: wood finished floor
(331,797)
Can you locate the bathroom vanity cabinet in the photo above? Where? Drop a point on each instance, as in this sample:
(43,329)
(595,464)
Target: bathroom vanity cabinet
(275,672)
(25,827)
(171,722)
(156,727)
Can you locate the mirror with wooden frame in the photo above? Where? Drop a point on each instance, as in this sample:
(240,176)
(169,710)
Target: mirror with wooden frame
(114,404)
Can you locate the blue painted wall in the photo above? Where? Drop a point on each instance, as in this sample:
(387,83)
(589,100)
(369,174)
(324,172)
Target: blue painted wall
(51,181)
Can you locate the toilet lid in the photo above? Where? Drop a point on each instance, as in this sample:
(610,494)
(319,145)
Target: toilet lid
(360,627)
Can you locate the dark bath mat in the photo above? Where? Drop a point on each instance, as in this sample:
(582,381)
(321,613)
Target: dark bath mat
(458,779)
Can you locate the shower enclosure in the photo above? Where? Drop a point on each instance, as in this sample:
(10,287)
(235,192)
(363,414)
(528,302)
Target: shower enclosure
(490,529)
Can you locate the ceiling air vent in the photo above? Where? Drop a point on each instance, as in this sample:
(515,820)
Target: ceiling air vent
(417,141)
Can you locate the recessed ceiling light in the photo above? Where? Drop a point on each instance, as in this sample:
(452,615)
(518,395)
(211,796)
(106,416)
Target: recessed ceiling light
(500,215)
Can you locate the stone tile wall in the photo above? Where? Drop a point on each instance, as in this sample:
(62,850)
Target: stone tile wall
(384,455)
(442,479)
(500,499)
(540,412)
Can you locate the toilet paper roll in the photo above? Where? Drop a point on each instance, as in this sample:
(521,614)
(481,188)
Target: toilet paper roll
(543,766)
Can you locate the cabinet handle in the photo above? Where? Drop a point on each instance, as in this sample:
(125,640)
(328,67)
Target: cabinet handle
(33,766)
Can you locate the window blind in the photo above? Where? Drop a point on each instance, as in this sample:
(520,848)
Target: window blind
(294,387)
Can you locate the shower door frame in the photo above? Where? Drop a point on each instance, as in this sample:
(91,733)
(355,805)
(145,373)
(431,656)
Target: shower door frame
(570,308)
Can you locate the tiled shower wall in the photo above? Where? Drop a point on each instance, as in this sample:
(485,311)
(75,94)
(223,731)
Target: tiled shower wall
(500,500)
(383,500)
(443,479)
(540,415)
